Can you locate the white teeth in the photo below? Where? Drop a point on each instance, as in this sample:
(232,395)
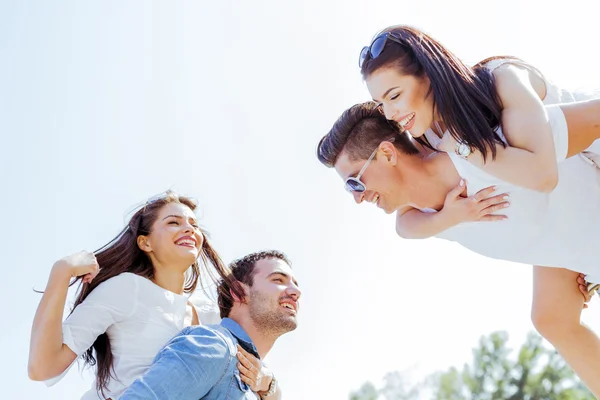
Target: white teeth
(406,120)
(186,241)
(287,305)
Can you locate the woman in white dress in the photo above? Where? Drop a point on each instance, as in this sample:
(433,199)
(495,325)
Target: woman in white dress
(133,298)
(451,107)
(557,230)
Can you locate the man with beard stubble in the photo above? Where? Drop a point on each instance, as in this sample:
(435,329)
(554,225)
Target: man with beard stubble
(258,304)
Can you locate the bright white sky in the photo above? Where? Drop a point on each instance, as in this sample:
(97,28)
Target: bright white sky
(106,103)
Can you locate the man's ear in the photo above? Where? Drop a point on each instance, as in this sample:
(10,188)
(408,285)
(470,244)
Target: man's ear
(389,151)
(144,244)
(240,288)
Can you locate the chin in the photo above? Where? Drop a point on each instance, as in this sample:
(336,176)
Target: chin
(386,209)
(190,257)
(417,132)
(290,325)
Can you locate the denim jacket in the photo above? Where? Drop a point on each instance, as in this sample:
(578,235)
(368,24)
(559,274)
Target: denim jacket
(199,363)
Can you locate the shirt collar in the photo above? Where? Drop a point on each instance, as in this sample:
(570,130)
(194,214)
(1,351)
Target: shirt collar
(241,335)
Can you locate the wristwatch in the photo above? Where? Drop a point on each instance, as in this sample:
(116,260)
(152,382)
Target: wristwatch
(462,149)
(272,388)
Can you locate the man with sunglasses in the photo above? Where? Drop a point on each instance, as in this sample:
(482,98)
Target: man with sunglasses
(381,164)
(416,176)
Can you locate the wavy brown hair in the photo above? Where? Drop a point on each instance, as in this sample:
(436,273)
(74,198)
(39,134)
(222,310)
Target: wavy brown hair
(465,97)
(122,254)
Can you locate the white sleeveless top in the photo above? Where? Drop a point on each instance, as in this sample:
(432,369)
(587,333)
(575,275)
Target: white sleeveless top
(139,318)
(558,229)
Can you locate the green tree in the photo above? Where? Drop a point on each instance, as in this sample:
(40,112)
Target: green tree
(396,387)
(537,373)
(367,391)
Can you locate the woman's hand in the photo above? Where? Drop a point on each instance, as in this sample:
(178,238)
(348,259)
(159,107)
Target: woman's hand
(253,372)
(478,207)
(583,288)
(83,264)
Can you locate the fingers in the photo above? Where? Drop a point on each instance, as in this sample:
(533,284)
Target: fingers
(586,294)
(87,278)
(483,193)
(249,367)
(492,217)
(247,376)
(490,201)
(248,362)
(583,288)
(494,209)
(248,359)
(253,386)
(247,372)
(457,191)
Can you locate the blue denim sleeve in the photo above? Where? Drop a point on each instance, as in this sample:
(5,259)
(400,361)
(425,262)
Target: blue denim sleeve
(188,367)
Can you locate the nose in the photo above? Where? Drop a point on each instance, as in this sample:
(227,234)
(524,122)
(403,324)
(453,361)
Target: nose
(294,291)
(188,227)
(389,112)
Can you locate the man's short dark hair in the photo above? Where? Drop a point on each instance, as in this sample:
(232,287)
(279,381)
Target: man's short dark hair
(242,271)
(358,131)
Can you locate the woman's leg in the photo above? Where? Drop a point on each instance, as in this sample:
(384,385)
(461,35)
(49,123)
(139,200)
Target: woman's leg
(583,122)
(556,314)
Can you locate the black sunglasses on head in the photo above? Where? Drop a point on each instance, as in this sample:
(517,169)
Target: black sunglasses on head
(376,47)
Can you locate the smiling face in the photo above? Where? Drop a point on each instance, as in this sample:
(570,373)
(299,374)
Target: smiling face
(175,238)
(273,298)
(403,98)
(387,179)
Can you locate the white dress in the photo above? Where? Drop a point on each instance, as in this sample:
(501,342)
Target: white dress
(138,316)
(557,229)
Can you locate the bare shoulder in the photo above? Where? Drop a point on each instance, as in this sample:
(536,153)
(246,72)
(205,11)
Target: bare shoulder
(513,80)
(445,167)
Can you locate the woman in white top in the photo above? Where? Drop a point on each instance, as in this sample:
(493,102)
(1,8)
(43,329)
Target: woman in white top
(133,299)
(558,229)
(449,106)
(424,87)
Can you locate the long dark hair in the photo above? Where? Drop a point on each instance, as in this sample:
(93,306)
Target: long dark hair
(464,97)
(122,254)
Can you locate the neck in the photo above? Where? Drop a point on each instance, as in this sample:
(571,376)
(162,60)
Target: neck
(262,339)
(438,127)
(169,278)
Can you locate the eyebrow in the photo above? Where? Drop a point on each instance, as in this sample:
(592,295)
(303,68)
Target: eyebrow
(285,275)
(178,217)
(386,93)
